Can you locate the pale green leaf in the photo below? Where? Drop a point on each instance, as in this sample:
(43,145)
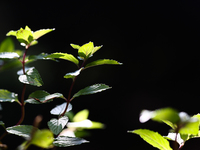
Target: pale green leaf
(103,62)
(81,115)
(31,77)
(160,115)
(39,33)
(42,138)
(153,138)
(7,96)
(92,90)
(11,33)
(65,56)
(56,125)
(8,55)
(58,110)
(73,74)
(21,130)
(75,46)
(190,127)
(24,36)
(64,141)
(7,45)
(39,97)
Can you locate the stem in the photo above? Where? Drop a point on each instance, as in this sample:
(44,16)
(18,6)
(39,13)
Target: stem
(68,100)
(23,90)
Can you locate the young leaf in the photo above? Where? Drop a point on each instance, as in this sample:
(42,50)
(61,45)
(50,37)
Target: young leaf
(92,89)
(103,62)
(2,124)
(58,110)
(56,125)
(21,130)
(81,115)
(65,56)
(7,45)
(153,138)
(73,74)
(39,97)
(75,46)
(7,96)
(24,35)
(190,127)
(86,50)
(31,77)
(8,55)
(39,33)
(64,141)
(42,138)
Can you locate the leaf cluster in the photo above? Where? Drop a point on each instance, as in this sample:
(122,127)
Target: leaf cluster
(183,127)
(9,57)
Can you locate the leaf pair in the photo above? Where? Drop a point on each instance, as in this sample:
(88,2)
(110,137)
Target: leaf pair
(27,37)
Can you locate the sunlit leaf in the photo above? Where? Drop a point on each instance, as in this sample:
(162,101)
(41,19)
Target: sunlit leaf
(81,115)
(39,97)
(56,125)
(92,89)
(21,130)
(64,141)
(7,45)
(24,36)
(39,33)
(42,138)
(31,77)
(73,74)
(153,138)
(7,96)
(64,56)
(86,50)
(8,55)
(103,62)
(190,127)
(58,110)
(75,46)
(11,33)
(41,56)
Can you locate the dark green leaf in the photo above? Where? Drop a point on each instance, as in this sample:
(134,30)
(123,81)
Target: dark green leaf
(64,141)
(92,89)
(103,62)
(56,125)
(40,96)
(65,56)
(41,56)
(7,96)
(58,110)
(153,138)
(21,130)
(7,45)
(31,77)
(8,55)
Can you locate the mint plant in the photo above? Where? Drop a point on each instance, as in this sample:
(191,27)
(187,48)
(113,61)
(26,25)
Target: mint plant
(29,76)
(183,128)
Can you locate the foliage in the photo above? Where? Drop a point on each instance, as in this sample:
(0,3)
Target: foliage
(183,128)
(56,135)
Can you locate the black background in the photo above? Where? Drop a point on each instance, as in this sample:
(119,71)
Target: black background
(157,42)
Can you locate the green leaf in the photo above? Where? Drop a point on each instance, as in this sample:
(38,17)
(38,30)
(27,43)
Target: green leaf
(24,35)
(64,56)
(153,138)
(75,46)
(21,130)
(103,62)
(160,115)
(86,50)
(191,127)
(41,56)
(39,97)
(39,33)
(2,124)
(92,89)
(11,33)
(7,45)
(81,115)
(73,74)
(7,96)
(56,125)
(8,55)
(31,77)
(58,110)
(64,141)
(175,137)
(43,138)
